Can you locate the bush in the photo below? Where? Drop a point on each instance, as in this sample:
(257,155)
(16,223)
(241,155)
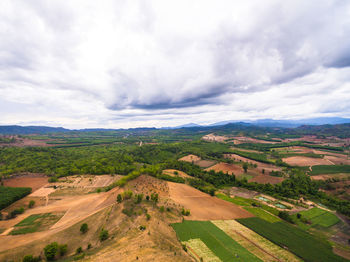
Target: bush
(79,250)
(50,251)
(139,198)
(30,258)
(53,179)
(103,235)
(89,246)
(147,197)
(15,212)
(142,228)
(31,203)
(162,209)
(148,216)
(80,256)
(119,198)
(155,198)
(84,228)
(127,194)
(285,216)
(62,249)
(185,212)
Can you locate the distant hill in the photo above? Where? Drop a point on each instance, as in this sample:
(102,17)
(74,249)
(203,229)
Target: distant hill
(291,123)
(25,130)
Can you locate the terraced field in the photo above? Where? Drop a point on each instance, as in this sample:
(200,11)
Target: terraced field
(222,245)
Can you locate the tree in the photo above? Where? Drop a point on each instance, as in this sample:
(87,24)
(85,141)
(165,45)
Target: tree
(51,250)
(62,249)
(245,167)
(84,228)
(79,250)
(119,198)
(298,215)
(31,203)
(103,235)
(30,258)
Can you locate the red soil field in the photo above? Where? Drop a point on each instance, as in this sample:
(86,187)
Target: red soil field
(33,181)
(227,168)
(203,206)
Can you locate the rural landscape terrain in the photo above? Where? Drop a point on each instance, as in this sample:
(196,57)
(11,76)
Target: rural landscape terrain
(234,192)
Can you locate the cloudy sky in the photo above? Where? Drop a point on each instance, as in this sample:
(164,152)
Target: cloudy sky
(83,63)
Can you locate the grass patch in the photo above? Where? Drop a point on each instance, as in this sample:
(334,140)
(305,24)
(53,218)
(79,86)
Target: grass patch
(320,217)
(35,223)
(295,239)
(263,214)
(223,246)
(240,201)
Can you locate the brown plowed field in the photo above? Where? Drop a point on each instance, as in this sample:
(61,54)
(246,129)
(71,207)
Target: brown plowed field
(261,166)
(306,161)
(203,206)
(35,182)
(171,172)
(264,179)
(227,168)
(190,158)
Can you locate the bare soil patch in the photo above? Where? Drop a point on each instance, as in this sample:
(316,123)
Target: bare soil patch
(171,172)
(328,176)
(264,179)
(215,138)
(190,158)
(204,163)
(203,206)
(227,168)
(260,165)
(35,181)
(305,161)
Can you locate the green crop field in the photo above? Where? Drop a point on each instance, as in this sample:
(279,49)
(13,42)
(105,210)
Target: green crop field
(330,169)
(237,200)
(298,241)
(263,214)
(34,223)
(223,246)
(320,217)
(8,195)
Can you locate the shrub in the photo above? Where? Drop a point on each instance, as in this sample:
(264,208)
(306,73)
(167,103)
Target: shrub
(119,198)
(155,198)
(285,216)
(127,194)
(78,257)
(31,203)
(162,209)
(62,249)
(50,251)
(185,212)
(298,215)
(139,198)
(103,235)
(142,228)
(147,197)
(148,216)
(79,250)
(89,246)
(53,179)
(15,212)
(30,258)
(84,228)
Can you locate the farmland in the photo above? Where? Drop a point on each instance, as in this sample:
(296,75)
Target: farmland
(8,195)
(320,217)
(223,246)
(298,241)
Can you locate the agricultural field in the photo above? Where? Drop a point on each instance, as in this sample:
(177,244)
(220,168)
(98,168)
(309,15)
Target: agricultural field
(320,217)
(36,223)
(329,169)
(263,214)
(254,243)
(223,246)
(227,168)
(8,195)
(298,241)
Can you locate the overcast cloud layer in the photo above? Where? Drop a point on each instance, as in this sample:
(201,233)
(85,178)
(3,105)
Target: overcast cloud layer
(162,63)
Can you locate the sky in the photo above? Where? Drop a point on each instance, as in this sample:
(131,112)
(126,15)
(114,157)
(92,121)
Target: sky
(121,64)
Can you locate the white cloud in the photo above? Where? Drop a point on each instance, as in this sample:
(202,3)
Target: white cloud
(155,63)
